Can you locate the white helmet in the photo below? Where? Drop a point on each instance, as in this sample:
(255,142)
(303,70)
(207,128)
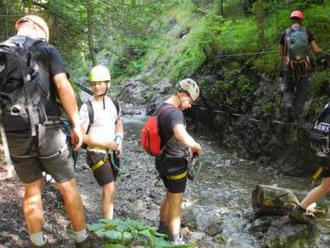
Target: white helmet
(37,20)
(99,73)
(190,86)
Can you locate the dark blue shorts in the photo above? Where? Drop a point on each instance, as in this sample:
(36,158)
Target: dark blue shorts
(169,167)
(325,162)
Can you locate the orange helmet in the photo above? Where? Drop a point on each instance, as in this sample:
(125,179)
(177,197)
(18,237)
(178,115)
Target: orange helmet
(297,14)
(35,20)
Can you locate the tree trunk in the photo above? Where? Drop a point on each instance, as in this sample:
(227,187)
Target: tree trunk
(272,200)
(90,31)
(260,24)
(6,20)
(221,8)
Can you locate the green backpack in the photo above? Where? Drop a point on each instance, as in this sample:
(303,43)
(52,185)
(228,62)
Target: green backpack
(296,41)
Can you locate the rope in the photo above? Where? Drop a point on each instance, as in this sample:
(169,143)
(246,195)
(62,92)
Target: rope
(245,54)
(277,122)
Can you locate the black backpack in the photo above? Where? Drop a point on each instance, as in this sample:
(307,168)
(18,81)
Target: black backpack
(296,43)
(320,134)
(24,85)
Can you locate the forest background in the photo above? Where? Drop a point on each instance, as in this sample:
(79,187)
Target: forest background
(228,46)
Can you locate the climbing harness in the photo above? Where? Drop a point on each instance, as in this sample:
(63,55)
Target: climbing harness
(178,176)
(317,173)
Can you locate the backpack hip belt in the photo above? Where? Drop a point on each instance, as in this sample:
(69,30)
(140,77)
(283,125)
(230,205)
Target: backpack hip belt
(292,63)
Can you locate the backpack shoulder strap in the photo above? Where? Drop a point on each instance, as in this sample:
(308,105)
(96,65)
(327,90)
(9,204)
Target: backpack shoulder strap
(288,31)
(117,106)
(90,115)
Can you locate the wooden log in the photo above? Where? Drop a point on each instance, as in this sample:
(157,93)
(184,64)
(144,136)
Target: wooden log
(272,200)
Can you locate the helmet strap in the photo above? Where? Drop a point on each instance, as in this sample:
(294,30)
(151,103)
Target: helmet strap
(179,98)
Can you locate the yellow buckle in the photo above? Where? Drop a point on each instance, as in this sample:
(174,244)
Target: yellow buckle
(177,177)
(317,173)
(98,147)
(99,164)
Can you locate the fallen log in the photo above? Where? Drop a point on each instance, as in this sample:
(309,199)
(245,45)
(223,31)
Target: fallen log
(273,200)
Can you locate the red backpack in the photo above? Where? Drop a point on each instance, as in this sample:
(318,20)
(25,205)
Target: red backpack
(150,138)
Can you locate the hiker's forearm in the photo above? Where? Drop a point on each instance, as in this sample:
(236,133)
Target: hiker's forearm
(183,137)
(119,128)
(67,97)
(92,141)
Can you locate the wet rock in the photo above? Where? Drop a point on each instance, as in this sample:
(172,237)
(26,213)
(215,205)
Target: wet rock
(283,233)
(208,221)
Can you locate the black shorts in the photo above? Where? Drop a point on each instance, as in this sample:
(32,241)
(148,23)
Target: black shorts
(325,162)
(170,168)
(48,151)
(103,170)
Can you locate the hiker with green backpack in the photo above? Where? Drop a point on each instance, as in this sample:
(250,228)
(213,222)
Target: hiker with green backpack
(294,49)
(33,80)
(103,136)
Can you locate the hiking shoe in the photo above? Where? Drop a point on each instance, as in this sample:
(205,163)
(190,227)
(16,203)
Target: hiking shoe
(47,245)
(162,228)
(176,240)
(90,242)
(298,214)
(85,244)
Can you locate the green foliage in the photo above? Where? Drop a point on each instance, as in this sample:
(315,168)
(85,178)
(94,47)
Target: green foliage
(185,47)
(128,233)
(269,63)
(320,82)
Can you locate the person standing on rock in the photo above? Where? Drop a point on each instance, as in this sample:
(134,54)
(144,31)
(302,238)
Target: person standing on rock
(103,128)
(294,47)
(172,164)
(32,77)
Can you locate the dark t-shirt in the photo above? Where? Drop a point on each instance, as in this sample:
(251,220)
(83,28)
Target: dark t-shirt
(167,121)
(309,34)
(49,59)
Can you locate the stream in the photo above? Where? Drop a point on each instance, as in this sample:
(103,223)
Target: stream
(217,207)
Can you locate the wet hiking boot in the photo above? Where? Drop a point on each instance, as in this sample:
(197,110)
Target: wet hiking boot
(298,214)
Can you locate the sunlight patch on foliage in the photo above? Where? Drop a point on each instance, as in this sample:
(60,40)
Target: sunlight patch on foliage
(128,233)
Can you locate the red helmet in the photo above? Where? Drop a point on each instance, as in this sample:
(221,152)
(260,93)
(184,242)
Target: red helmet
(297,14)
